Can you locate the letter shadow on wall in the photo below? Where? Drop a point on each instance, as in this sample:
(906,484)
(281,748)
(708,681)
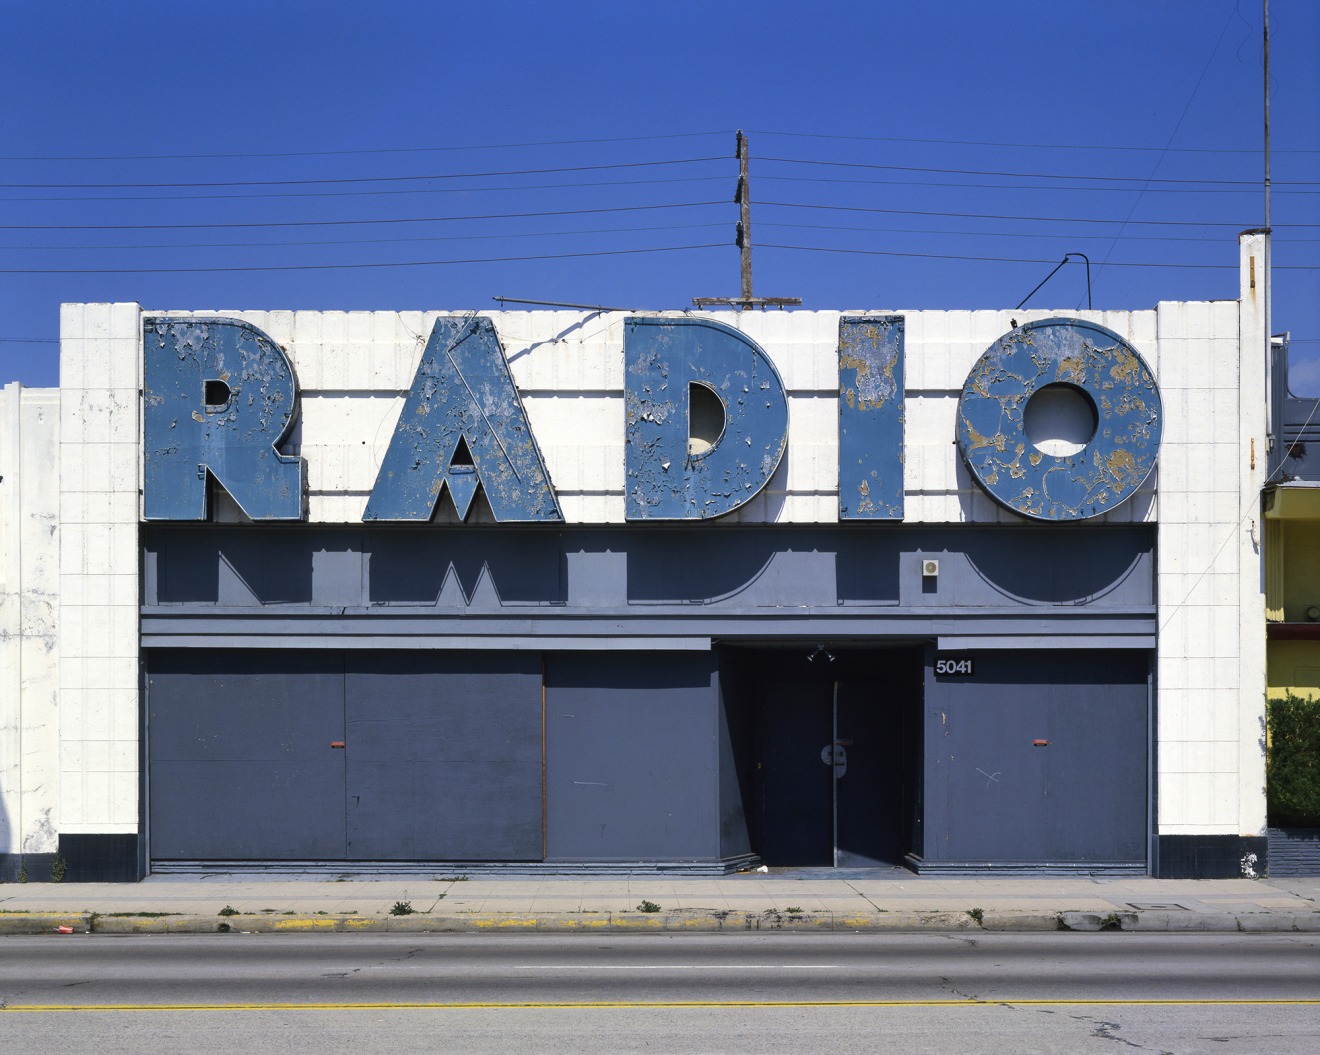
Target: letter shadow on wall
(867,565)
(696,565)
(439,567)
(757,567)
(1060,565)
(234,568)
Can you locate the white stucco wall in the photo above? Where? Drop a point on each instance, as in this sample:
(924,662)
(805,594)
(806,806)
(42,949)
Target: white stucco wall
(29,642)
(100,466)
(1211,671)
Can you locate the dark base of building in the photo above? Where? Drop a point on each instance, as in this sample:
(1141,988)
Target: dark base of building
(119,859)
(1025,869)
(102,858)
(26,868)
(80,859)
(1212,857)
(319,869)
(1294,851)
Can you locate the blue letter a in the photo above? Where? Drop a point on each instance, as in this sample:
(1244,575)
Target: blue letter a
(463,425)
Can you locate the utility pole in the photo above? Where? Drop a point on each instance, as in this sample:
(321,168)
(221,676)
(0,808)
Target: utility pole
(744,232)
(743,239)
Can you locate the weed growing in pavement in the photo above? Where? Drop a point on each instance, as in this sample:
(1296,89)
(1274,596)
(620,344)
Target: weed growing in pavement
(402,908)
(228,910)
(793,910)
(647,906)
(59,868)
(451,879)
(976,914)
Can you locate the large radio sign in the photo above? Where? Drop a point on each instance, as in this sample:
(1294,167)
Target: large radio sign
(706,420)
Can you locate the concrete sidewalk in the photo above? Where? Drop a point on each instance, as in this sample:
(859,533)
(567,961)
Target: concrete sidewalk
(790,900)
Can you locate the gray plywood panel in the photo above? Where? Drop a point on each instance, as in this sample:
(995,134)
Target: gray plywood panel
(632,757)
(241,763)
(444,756)
(1039,757)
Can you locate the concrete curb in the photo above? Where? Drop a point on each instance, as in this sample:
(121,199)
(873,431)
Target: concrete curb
(43,922)
(679,921)
(694,921)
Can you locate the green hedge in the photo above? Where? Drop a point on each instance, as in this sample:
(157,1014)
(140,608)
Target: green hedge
(1292,781)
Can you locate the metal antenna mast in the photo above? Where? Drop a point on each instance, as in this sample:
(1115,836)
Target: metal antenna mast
(743,239)
(1269,236)
(1267,119)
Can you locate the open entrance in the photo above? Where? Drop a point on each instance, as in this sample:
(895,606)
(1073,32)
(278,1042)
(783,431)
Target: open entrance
(827,744)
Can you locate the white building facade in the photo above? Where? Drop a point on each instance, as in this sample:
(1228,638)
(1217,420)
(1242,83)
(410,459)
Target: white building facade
(683,591)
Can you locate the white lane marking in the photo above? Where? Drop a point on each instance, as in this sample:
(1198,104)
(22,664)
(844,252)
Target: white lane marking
(678,967)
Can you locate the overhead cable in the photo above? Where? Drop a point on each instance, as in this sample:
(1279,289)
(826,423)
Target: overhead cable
(1014,175)
(344,223)
(364,179)
(350,267)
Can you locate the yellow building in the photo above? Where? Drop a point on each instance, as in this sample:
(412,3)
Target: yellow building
(1291,509)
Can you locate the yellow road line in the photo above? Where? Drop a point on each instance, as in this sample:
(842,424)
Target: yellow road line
(643,1005)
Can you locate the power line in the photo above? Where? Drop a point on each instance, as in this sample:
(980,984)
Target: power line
(458,148)
(848,228)
(376,241)
(1024,146)
(831,180)
(1004,216)
(1146,185)
(347,267)
(617,209)
(1010,259)
(1013,175)
(986,186)
(628,165)
(367,193)
(1217,239)
(597,253)
(343,223)
(357,151)
(360,179)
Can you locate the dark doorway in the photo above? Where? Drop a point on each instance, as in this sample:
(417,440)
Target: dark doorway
(827,745)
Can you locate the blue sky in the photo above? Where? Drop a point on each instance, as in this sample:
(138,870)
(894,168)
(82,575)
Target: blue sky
(238,154)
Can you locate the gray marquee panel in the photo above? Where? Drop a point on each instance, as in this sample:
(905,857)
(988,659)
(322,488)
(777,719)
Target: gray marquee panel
(284,755)
(444,756)
(632,757)
(1038,757)
(241,764)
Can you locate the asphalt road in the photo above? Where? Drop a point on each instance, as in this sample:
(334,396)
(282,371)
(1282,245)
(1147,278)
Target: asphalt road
(661,993)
